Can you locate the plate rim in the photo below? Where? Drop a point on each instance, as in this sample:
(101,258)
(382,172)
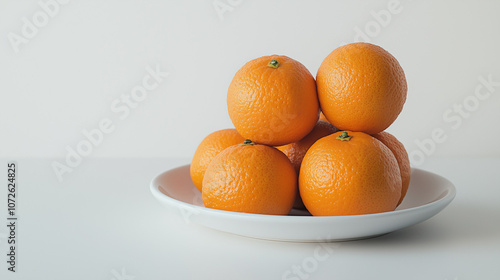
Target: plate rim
(445,200)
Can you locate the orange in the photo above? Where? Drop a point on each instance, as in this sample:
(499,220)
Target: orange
(361,87)
(322,117)
(272,100)
(296,151)
(399,151)
(349,173)
(210,147)
(250,178)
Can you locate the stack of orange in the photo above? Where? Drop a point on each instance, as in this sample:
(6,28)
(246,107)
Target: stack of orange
(292,159)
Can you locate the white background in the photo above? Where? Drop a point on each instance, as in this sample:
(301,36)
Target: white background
(65,78)
(101,222)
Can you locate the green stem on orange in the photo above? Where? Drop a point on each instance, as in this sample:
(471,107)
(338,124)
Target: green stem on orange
(273,64)
(344,136)
(247,142)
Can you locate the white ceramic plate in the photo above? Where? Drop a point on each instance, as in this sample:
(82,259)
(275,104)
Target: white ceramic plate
(427,195)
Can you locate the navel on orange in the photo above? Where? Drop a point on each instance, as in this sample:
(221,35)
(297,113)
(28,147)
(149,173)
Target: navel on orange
(272,100)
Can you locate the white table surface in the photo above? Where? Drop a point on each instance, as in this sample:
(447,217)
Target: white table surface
(102,222)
